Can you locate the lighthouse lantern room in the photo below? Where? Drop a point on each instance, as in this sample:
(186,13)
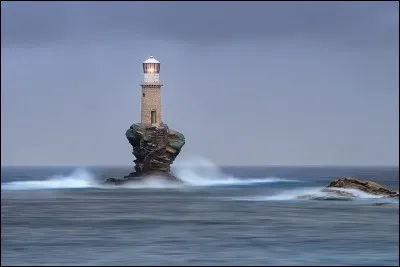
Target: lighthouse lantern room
(151,70)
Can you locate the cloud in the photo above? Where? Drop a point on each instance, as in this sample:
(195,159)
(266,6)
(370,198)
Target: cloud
(368,23)
(322,90)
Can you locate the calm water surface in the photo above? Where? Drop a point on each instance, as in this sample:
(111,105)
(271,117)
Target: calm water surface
(227,216)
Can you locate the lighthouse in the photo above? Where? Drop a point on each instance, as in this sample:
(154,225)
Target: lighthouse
(151,93)
(154,145)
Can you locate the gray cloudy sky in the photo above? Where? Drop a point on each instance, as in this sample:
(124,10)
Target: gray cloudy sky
(248,83)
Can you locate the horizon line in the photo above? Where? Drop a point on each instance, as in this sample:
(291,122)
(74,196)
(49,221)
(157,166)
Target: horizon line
(222,166)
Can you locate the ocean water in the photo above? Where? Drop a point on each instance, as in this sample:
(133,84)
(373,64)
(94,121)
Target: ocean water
(222,216)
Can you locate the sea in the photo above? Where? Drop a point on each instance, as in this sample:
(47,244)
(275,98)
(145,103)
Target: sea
(220,216)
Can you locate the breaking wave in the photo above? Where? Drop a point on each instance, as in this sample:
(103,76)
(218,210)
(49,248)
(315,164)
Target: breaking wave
(202,172)
(79,178)
(314,193)
(194,172)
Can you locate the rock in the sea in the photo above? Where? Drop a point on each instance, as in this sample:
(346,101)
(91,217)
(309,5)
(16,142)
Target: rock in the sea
(155,149)
(334,190)
(383,204)
(330,194)
(141,178)
(365,186)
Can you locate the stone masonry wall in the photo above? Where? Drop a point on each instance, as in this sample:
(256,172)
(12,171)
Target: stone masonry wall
(151,100)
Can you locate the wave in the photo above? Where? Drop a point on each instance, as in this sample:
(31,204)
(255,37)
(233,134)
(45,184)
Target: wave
(201,172)
(79,178)
(194,172)
(314,193)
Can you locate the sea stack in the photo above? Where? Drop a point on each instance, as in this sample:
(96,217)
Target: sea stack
(334,191)
(155,145)
(369,187)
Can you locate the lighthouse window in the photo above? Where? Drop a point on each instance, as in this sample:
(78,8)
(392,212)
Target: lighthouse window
(153,116)
(143,94)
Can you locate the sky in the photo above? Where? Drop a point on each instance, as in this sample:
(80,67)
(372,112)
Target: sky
(247,83)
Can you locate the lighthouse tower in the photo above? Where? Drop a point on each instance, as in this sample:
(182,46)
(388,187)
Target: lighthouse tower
(151,93)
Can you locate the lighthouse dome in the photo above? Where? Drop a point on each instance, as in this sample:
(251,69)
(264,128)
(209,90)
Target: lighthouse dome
(151,59)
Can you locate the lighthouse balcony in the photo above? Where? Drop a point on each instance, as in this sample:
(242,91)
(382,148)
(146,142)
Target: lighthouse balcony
(151,84)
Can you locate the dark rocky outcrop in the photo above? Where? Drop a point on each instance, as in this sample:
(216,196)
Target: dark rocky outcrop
(155,149)
(365,186)
(334,191)
(330,194)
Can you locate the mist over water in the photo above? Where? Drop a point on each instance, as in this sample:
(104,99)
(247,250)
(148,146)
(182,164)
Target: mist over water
(79,178)
(194,172)
(222,216)
(310,193)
